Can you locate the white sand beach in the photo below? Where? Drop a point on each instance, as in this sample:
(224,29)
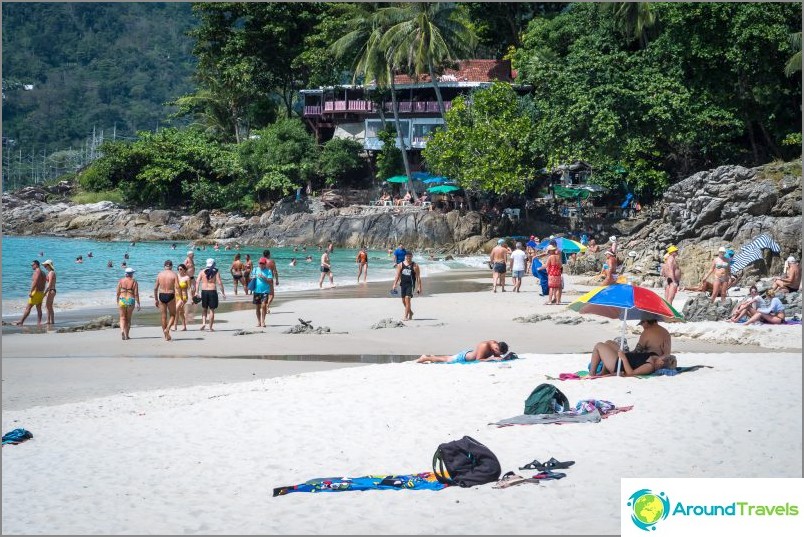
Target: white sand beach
(191,436)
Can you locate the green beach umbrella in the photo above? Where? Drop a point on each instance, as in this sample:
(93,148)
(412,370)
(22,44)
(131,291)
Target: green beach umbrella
(397,179)
(443,189)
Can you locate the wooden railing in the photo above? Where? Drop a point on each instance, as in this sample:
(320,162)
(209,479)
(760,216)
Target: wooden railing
(360,105)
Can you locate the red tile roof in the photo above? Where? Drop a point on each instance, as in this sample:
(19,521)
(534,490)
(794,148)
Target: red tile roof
(468,71)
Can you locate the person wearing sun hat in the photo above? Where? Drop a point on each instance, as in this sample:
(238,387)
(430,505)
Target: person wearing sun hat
(207,289)
(721,267)
(672,274)
(609,268)
(50,291)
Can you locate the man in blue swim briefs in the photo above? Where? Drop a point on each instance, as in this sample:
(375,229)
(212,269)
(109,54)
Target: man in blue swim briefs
(485,351)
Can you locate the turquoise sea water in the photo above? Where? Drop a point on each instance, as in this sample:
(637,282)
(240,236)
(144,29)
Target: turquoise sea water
(92,283)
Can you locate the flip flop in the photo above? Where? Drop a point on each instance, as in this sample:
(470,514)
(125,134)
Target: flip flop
(548,475)
(534,465)
(511,479)
(554,464)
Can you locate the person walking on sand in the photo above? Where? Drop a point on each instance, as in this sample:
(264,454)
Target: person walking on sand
(485,351)
(326,270)
(207,289)
(264,280)
(50,291)
(182,298)
(519,260)
(165,290)
(35,295)
(362,264)
(128,294)
(275,271)
(672,274)
(407,277)
(236,270)
(248,267)
(499,262)
(554,269)
(189,262)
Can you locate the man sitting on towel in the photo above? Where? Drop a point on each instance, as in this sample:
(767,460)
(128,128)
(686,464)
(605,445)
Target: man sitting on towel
(651,353)
(484,351)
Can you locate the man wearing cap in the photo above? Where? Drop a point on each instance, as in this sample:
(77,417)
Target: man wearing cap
(50,291)
(165,290)
(499,262)
(261,297)
(791,281)
(672,274)
(36,294)
(207,289)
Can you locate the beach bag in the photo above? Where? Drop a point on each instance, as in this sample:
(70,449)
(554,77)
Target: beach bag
(252,283)
(466,463)
(546,399)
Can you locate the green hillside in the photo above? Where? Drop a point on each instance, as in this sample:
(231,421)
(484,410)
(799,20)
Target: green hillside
(101,65)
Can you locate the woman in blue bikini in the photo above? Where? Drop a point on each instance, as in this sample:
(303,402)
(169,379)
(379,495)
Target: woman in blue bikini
(485,351)
(128,294)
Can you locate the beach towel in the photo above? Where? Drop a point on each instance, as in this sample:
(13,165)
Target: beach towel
(563,417)
(16,436)
(753,252)
(422,481)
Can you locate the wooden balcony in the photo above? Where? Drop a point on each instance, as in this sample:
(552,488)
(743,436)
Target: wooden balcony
(368,107)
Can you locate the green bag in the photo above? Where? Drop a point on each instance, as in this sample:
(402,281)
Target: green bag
(546,399)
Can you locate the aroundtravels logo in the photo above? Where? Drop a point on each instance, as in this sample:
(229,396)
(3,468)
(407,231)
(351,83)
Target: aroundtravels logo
(648,508)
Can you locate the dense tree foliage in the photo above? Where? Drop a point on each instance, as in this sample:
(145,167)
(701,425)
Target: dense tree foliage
(488,146)
(91,64)
(707,88)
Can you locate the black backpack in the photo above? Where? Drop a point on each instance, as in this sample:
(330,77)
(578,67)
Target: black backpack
(544,399)
(466,463)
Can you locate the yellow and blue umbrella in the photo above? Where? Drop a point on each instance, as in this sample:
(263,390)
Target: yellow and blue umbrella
(627,302)
(565,245)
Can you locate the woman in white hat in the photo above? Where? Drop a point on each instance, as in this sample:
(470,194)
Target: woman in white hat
(721,267)
(50,290)
(128,294)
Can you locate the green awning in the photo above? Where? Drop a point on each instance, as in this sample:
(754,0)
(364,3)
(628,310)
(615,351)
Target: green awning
(571,193)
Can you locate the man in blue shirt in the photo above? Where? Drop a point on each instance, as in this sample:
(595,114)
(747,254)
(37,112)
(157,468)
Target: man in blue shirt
(399,254)
(262,290)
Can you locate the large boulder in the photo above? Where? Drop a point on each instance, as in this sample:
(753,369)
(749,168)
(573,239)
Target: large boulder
(198,225)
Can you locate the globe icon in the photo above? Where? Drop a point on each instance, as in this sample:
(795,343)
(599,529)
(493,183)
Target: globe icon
(648,509)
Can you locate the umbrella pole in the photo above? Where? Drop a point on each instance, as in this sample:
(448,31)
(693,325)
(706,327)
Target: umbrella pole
(622,340)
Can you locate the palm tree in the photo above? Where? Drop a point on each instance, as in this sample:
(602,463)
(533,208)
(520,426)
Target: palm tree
(793,65)
(365,35)
(633,19)
(425,36)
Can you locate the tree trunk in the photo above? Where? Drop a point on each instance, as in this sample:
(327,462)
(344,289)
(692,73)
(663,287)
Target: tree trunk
(438,94)
(751,136)
(401,139)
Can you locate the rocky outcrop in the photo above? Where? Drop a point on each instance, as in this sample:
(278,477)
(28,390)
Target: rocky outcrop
(289,222)
(730,205)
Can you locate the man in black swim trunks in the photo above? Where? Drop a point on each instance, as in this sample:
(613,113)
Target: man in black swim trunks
(165,290)
(408,277)
(208,282)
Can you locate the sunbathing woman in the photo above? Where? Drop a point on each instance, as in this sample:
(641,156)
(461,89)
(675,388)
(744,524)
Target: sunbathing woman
(721,268)
(484,351)
(773,313)
(748,305)
(651,353)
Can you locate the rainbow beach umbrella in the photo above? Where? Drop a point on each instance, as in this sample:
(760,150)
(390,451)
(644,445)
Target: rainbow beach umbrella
(627,302)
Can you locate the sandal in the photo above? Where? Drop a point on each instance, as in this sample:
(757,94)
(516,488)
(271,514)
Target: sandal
(554,464)
(511,479)
(534,465)
(547,475)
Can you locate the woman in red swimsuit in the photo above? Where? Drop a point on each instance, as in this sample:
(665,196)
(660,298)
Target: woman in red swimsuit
(554,270)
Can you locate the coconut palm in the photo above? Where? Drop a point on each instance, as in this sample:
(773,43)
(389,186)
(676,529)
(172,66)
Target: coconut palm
(633,19)
(426,36)
(793,65)
(364,35)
